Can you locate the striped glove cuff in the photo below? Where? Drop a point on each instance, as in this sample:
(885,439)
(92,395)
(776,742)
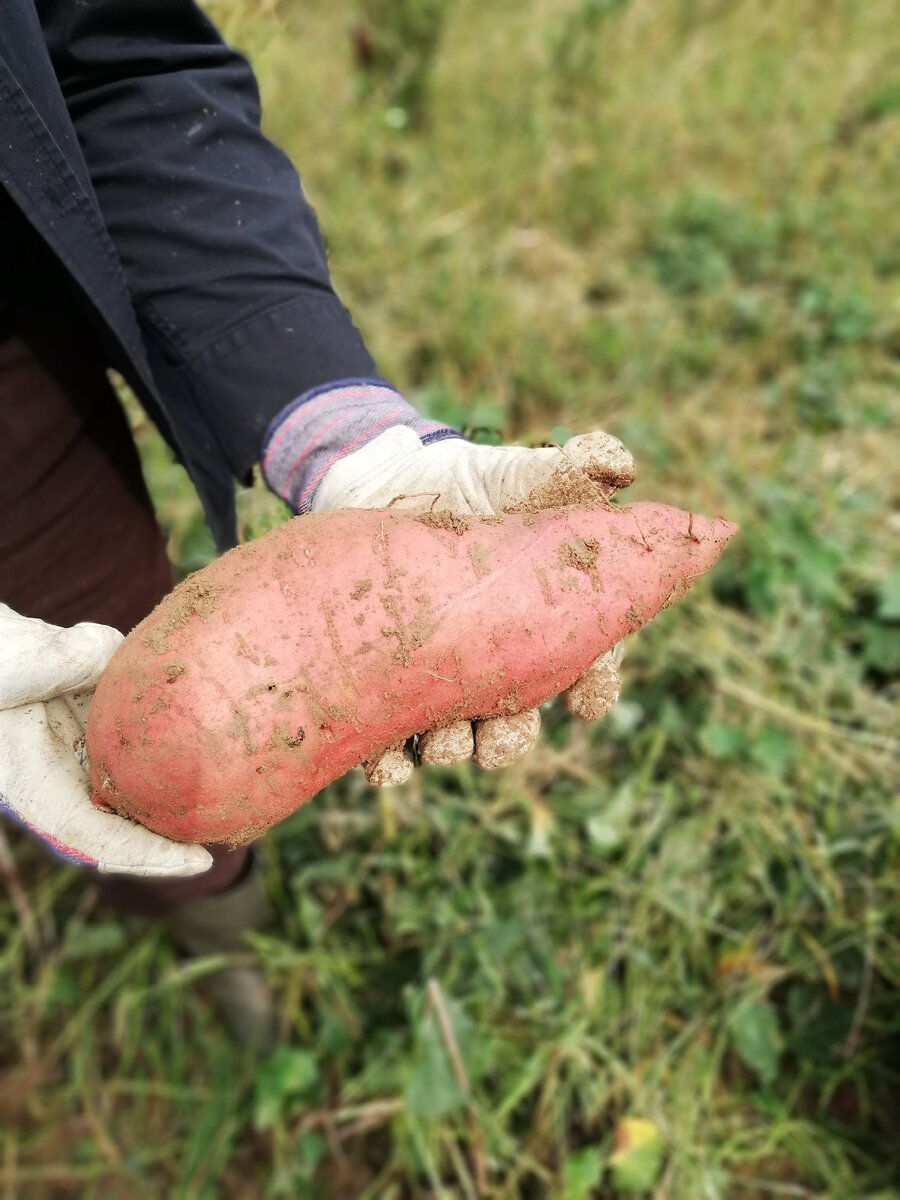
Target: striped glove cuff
(317,429)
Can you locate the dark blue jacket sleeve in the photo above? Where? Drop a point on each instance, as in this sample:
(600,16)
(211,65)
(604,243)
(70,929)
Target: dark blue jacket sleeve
(223,257)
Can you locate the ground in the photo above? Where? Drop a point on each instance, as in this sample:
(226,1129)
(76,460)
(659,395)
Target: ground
(661,955)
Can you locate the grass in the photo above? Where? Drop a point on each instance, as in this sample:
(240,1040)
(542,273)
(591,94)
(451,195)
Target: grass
(661,956)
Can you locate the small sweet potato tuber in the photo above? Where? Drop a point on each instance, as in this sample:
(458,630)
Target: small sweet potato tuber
(290,659)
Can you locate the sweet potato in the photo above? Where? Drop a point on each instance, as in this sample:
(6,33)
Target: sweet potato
(287,661)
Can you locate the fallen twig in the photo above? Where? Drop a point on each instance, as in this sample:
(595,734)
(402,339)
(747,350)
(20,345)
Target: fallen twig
(438,1005)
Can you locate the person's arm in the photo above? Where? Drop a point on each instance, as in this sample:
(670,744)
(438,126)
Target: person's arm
(224,261)
(223,257)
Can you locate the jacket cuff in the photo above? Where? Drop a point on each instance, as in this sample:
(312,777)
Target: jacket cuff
(317,429)
(239,382)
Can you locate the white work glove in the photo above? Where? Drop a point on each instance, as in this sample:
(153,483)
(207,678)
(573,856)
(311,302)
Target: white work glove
(396,470)
(47,680)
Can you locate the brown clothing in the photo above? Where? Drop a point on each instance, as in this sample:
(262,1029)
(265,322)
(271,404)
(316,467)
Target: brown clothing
(78,536)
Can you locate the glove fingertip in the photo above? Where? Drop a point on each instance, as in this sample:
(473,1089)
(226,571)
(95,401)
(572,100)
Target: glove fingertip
(499,741)
(603,457)
(390,769)
(596,692)
(450,744)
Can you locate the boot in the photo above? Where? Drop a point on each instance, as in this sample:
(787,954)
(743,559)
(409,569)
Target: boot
(216,925)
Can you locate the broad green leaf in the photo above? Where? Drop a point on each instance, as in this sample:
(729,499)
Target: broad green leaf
(756,1038)
(93,941)
(581,1174)
(883,102)
(774,749)
(288,1074)
(431,1088)
(604,835)
(721,741)
(889,597)
(485,414)
(608,828)
(636,1161)
(881,646)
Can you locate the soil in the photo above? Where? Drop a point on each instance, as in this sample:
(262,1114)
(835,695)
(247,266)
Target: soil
(581,555)
(240,729)
(636,616)
(457,523)
(511,702)
(283,738)
(680,589)
(566,489)
(542,579)
(411,636)
(244,649)
(479,556)
(587,484)
(194,597)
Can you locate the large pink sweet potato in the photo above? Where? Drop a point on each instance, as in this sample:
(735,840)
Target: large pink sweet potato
(289,660)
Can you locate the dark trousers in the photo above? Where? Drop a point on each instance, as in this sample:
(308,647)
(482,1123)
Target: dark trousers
(78,536)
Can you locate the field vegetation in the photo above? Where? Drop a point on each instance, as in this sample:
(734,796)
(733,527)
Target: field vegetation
(661,956)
